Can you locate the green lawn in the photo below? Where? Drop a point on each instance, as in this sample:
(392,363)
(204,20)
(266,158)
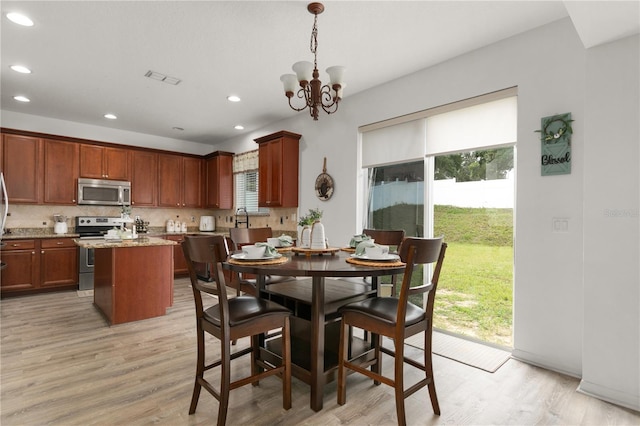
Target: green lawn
(475,293)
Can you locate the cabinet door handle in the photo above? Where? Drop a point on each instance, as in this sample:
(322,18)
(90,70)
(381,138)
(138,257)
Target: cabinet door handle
(41,251)
(59,243)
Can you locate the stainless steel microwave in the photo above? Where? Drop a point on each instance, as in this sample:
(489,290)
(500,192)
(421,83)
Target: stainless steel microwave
(101,192)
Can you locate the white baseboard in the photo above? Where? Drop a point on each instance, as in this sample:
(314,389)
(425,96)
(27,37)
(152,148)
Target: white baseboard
(538,361)
(613,396)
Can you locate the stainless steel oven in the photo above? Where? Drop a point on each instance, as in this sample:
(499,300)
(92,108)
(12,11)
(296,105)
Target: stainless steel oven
(90,227)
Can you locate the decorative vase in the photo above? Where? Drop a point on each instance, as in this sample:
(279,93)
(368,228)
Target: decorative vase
(317,237)
(304,236)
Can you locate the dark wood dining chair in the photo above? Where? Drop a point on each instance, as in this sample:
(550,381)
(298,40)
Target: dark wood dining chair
(231,319)
(246,236)
(396,319)
(387,237)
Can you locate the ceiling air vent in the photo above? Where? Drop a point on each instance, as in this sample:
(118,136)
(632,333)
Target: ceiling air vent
(161,77)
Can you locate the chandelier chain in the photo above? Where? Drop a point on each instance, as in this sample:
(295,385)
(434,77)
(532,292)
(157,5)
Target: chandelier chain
(314,41)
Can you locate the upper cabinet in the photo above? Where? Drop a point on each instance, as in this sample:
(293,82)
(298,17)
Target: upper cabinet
(144,178)
(40,170)
(60,172)
(22,168)
(219,180)
(180,181)
(278,169)
(99,162)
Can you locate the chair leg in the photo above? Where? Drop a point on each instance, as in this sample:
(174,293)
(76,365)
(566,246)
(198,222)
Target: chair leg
(342,371)
(255,354)
(286,361)
(225,381)
(199,371)
(399,380)
(376,342)
(428,364)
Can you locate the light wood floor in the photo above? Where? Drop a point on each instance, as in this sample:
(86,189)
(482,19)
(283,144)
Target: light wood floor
(62,365)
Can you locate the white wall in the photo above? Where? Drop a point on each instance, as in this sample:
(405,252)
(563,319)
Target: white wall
(53,126)
(556,291)
(549,66)
(611,351)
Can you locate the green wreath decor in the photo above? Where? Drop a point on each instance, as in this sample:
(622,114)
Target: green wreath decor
(555,128)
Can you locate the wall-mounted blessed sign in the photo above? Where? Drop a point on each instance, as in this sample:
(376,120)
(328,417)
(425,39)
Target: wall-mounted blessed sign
(556,144)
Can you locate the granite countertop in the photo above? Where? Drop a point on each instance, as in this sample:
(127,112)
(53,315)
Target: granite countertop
(31,233)
(141,241)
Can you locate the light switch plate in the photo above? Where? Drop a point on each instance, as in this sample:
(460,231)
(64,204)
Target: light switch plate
(560,224)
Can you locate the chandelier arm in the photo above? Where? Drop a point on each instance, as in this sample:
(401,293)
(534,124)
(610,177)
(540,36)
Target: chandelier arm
(302,94)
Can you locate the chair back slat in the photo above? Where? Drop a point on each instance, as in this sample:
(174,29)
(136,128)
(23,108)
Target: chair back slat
(212,250)
(387,237)
(245,236)
(420,251)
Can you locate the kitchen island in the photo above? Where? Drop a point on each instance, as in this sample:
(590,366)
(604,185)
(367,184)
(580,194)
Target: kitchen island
(133,279)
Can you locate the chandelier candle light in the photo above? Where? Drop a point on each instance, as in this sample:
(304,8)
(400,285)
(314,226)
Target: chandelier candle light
(311,90)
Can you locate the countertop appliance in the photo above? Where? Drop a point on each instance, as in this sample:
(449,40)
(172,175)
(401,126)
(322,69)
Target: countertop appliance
(91,227)
(101,192)
(207,223)
(60,224)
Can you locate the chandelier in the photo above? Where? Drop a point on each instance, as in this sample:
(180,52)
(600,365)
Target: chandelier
(311,90)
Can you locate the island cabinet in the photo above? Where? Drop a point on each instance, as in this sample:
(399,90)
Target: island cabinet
(100,162)
(144,178)
(132,280)
(278,169)
(180,181)
(219,180)
(35,265)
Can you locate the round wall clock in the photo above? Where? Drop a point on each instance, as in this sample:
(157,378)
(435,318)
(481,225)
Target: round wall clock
(324,184)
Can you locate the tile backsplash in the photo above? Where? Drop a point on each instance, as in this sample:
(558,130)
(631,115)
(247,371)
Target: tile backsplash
(39,216)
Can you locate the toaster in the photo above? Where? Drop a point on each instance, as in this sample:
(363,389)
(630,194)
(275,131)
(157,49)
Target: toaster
(207,223)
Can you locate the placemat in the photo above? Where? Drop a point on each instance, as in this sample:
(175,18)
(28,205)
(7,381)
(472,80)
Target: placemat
(374,263)
(310,251)
(284,249)
(348,249)
(276,261)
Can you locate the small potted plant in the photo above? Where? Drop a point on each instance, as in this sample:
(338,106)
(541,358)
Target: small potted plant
(304,226)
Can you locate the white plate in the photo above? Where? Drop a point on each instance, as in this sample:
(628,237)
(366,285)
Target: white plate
(385,258)
(242,256)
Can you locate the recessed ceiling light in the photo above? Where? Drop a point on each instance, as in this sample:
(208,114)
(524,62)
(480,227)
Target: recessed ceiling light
(20,19)
(238,127)
(110,116)
(233,98)
(21,69)
(22,98)
(177,128)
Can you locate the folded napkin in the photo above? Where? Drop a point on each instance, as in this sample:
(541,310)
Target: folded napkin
(358,239)
(269,250)
(285,240)
(361,247)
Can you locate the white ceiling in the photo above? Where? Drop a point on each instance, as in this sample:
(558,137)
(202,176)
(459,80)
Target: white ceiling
(90,58)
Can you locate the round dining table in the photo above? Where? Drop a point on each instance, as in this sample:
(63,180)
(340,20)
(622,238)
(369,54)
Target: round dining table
(323,297)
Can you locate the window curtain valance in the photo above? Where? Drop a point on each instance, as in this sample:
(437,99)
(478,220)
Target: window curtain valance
(245,161)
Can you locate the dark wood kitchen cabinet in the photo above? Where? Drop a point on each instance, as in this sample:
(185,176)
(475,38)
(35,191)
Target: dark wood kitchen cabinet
(180,181)
(60,172)
(278,169)
(58,263)
(179,261)
(22,165)
(144,178)
(22,269)
(35,265)
(219,180)
(100,162)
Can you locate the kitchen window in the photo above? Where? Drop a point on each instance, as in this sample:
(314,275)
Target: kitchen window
(247,181)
